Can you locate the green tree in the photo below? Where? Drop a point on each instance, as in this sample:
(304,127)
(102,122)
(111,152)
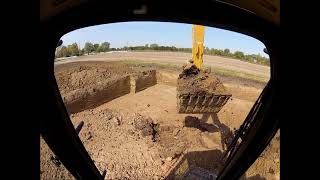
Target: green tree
(218,52)
(211,51)
(69,50)
(99,49)
(226,52)
(64,52)
(73,49)
(206,50)
(88,47)
(249,58)
(95,47)
(104,47)
(239,55)
(81,52)
(154,46)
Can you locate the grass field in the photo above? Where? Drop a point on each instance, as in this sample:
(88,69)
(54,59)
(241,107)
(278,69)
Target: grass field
(218,71)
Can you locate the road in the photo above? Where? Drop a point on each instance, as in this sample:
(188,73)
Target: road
(176,57)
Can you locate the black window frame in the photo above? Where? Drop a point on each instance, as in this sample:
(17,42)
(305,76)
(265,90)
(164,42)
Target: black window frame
(57,129)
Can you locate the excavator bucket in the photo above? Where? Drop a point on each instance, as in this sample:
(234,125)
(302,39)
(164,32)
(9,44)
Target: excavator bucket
(200,92)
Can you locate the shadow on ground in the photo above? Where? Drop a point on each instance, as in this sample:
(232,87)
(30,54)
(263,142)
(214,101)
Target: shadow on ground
(215,125)
(209,160)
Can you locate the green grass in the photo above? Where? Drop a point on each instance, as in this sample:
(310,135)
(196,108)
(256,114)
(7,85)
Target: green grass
(159,65)
(218,71)
(232,73)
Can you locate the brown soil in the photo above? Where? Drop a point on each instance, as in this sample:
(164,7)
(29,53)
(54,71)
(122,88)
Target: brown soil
(132,146)
(144,79)
(267,166)
(90,84)
(141,136)
(80,75)
(193,81)
(48,170)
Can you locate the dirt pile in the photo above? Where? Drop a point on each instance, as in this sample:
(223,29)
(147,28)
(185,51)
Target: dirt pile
(146,126)
(81,99)
(114,143)
(130,145)
(82,85)
(194,81)
(88,85)
(200,92)
(84,76)
(80,75)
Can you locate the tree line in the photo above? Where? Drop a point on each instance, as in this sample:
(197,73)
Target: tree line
(253,58)
(74,50)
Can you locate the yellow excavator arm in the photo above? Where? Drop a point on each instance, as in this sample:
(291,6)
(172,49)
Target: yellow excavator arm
(199,91)
(197,45)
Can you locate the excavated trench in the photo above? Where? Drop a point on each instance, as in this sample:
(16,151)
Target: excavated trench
(84,87)
(132,129)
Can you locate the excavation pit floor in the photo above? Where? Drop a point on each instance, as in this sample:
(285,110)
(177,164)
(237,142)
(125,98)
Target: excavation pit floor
(111,138)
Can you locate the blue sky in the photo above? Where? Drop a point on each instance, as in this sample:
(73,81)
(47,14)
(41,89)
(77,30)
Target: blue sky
(162,33)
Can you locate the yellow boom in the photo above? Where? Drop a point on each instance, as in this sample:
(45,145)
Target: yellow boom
(197,45)
(199,91)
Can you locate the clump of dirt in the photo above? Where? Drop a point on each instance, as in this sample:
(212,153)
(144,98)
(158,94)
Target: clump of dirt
(146,126)
(189,70)
(194,81)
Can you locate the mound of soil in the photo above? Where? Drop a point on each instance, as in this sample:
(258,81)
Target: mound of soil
(91,84)
(129,145)
(194,81)
(146,126)
(79,76)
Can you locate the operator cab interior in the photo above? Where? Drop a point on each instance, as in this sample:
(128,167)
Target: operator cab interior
(123,87)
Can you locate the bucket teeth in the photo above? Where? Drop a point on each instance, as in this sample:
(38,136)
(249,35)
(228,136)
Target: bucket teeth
(201,103)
